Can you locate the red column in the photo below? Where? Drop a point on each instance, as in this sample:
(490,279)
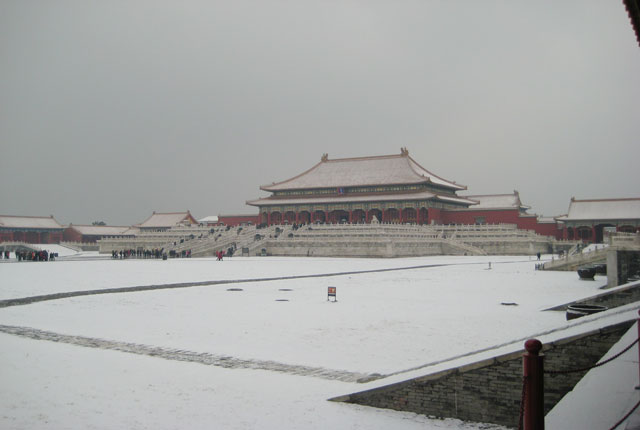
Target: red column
(297,217)
(638,323)
(326,217)
(350,217)
(593,234)
(533,370)
(268,218)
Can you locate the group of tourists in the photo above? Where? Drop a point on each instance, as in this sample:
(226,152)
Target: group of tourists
(185,253)
(137,253)
(33,255)
(228,253)
(149,253)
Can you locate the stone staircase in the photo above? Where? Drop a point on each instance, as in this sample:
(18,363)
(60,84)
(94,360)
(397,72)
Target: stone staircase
(573,261)
(18,246)
(363,240)
(464,248)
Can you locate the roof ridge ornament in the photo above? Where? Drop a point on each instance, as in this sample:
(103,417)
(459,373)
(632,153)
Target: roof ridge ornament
(325,157)
(404,151)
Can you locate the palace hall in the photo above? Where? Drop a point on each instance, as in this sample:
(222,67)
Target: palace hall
(388,188)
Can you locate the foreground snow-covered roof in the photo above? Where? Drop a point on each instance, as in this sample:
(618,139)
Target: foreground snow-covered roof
(363,171)
(600,209)
(11,221)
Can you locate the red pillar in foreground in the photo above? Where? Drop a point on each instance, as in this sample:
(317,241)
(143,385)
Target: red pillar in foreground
(638,387)
(533,368)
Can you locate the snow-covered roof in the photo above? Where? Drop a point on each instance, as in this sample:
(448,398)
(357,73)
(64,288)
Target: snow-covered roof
(363,171)
(601,209)
(99,230)
(131,231)
(166,220)
(210,218)
(351,198)
(498,201)
(11,221)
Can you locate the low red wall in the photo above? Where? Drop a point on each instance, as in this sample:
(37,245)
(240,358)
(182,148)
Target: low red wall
(71,235)
(526,222)
(234,220)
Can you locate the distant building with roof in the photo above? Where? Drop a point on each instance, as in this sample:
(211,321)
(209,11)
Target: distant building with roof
(230,220)
(30,229)
(164,221)
(588,220)
(93,233)
(210,220)
(388,188)
(501,209)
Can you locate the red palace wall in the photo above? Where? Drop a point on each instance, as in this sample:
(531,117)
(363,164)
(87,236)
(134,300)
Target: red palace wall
(527,222)
(490,217)
(549,229)
(31,236)
(71,235)
(234,220)
(434,216)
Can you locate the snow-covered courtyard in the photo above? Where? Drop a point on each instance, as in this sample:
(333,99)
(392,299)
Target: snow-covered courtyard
(262,354)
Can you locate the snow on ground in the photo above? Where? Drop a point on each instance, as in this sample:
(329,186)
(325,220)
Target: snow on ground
(610,385)
(384,322)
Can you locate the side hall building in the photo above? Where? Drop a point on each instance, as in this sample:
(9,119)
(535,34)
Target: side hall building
(589,220)
(388,188)
(163,221)
(92,233)
(30,229)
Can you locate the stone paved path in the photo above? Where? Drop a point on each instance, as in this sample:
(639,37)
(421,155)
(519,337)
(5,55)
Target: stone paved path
(190,356)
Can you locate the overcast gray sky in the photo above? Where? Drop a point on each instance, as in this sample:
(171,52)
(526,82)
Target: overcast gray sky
(110,110)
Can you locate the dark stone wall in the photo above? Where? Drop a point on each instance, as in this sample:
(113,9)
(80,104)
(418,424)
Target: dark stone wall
(490,390)
(616,298)
(628,265)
